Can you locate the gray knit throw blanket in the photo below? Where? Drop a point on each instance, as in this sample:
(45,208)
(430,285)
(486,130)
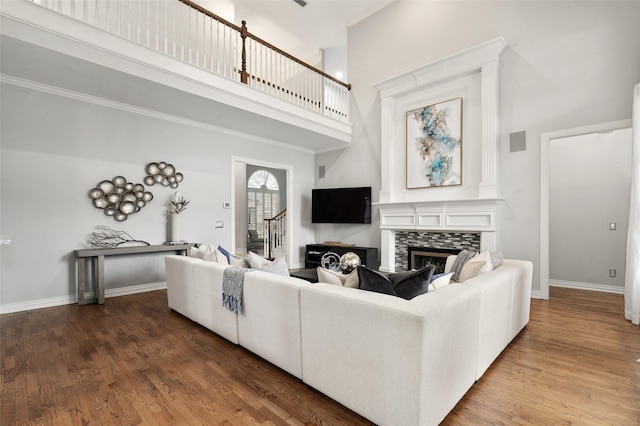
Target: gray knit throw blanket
(232,281)
(463,257)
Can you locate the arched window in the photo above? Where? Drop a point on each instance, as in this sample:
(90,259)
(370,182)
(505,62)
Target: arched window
(263,200)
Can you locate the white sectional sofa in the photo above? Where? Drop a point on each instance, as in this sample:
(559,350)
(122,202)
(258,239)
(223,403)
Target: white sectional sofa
(394,361)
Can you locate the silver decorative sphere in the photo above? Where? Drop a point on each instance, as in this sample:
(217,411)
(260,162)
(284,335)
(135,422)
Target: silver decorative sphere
(349,261)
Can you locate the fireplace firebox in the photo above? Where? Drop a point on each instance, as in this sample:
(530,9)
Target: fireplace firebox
(421,257)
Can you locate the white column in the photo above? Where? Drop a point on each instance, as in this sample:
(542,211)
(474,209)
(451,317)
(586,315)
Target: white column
(488,241)
(388,250)
(489,185)
(387,151)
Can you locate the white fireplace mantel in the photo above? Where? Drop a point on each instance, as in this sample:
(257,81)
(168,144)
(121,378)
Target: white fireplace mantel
(465,215)
(471,215)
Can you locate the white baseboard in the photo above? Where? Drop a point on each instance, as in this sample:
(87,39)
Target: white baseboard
(586,286)
(68,300)
(535,294)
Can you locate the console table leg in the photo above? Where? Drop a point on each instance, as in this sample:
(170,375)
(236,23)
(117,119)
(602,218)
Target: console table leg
(81,274)
(100,280)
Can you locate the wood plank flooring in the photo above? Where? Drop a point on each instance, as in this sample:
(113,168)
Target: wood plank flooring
(133,361)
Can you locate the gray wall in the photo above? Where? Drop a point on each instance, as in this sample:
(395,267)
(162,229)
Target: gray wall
(567,64)
(55,149)
(589,184)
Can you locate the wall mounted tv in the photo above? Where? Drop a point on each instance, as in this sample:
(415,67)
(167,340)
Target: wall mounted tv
(341,205)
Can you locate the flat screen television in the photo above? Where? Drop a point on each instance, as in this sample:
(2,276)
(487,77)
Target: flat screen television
(341,205)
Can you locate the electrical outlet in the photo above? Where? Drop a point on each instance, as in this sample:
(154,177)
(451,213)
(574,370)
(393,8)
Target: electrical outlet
(612,226)
(219,224)
(612,273)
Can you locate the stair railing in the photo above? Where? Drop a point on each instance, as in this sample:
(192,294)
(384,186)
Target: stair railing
(276,233)
(186,31)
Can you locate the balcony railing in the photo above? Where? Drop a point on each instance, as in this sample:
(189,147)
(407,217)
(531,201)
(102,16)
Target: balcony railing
(188,32)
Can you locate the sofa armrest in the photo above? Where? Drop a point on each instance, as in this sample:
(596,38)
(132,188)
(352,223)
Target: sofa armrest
(522,282)
(180,288)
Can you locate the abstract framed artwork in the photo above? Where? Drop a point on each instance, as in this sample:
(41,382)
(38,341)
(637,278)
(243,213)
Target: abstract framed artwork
(434,145)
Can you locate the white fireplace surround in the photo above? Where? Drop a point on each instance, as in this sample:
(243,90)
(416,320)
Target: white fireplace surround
(471,207)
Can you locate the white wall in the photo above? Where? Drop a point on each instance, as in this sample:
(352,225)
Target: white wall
(567,64)
(589,184)
(55,149)
(335,62)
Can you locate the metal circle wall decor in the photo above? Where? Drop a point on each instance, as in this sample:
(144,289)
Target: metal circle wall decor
(162,173)
(119,198)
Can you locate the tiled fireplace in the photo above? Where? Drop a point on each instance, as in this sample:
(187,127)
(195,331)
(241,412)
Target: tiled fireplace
(414,249)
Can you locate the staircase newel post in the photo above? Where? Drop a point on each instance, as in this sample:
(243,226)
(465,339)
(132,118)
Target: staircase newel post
(244,76)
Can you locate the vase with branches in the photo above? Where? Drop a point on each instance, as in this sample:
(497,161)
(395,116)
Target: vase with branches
(177,204)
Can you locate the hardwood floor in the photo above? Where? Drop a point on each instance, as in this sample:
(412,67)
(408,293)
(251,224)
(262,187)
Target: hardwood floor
(133,361)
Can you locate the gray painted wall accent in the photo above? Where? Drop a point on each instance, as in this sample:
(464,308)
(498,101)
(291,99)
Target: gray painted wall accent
(55,149)
(589,184)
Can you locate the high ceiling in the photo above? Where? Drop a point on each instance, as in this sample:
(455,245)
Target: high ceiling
(304,32)
(322,23)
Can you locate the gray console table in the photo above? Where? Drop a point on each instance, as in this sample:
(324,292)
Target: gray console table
(96,257)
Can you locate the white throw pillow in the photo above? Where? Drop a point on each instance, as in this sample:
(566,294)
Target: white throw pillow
(278,266)
(442,281)
(238,261)
(497,259)
(220,257)
(204,252)
(470,270)
(255,261)
(337,278)
(485,257)
(196,252)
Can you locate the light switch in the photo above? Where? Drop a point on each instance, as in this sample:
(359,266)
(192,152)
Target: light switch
(612,226)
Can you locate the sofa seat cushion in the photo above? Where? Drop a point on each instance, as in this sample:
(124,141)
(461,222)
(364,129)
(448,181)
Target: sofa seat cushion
(406,285)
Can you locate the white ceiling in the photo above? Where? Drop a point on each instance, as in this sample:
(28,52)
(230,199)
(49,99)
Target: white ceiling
(321,24)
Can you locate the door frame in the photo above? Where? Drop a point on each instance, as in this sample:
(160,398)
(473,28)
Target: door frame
(545,141)
(289,179)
